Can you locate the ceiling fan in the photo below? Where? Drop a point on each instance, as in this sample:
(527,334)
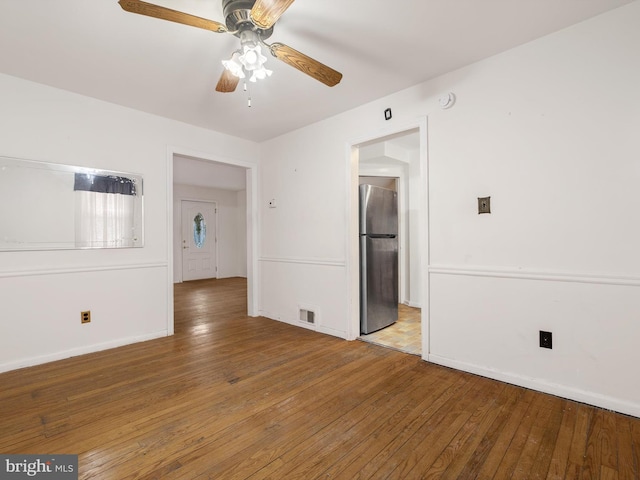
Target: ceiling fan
(252,21)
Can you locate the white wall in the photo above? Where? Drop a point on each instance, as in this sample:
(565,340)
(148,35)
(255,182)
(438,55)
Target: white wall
(231,228)
(127,290)
(549,131)
(302,243)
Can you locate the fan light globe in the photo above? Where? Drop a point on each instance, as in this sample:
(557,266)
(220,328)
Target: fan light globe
(260,74)
(248,59)
(234,65)
(252,58)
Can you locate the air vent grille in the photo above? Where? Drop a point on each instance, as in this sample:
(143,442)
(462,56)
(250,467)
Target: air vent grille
(307,316)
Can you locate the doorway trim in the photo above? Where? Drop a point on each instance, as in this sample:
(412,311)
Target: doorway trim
(352,246)
(252,226)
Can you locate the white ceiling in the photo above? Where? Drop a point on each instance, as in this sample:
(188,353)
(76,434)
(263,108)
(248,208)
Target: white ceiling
(94,48)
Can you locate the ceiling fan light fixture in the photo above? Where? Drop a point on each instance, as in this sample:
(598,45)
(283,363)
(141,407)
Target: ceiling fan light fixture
(234,65)
(260,74)
(252,57)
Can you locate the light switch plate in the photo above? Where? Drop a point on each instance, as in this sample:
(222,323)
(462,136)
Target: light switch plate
(484,205)
(546,339)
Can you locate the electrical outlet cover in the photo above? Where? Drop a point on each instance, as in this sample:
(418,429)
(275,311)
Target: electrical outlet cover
(546,339)
(484,205)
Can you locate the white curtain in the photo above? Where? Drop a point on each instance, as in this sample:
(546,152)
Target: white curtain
(104,220)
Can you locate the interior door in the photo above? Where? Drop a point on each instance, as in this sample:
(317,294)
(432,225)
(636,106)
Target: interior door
(198,240)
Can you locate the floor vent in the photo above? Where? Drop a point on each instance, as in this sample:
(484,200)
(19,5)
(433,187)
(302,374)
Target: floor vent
(307,316)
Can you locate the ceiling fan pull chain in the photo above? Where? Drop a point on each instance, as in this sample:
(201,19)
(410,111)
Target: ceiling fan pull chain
(246,89)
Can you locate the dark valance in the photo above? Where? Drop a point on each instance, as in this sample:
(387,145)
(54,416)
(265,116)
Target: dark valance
(104,184)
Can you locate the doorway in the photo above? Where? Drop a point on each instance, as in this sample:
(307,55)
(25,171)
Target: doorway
(192,176)
(199,240)
(400,155)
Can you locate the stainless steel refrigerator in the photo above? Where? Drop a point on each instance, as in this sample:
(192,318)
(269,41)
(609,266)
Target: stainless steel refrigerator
(378,258)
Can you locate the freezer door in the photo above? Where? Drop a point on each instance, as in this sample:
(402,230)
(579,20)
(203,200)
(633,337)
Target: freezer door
(378,210)
(378,283)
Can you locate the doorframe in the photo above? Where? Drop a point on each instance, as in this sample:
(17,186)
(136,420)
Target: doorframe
(252,226)
(215,221)
(352,246)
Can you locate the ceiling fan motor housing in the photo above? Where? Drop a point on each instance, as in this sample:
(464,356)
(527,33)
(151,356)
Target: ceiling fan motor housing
(237,18)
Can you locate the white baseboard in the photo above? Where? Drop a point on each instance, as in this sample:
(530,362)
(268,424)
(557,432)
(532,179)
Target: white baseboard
(332,331)
(74,352)
(413,304)
(603,401)
(296,323)
(269,315)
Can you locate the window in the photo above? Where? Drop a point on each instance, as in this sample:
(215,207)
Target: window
(199,230)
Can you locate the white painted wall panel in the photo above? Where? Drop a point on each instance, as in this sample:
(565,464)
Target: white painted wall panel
(307,179)
(39,312)
(549,131)
(320,287)
(545,130)
(491,324)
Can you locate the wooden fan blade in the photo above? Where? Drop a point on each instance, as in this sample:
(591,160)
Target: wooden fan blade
(267,12)
(156,11)
(228,82)
(305,64)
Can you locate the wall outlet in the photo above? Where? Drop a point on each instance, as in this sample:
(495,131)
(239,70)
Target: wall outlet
(484,205)
(546,339)
(85,317)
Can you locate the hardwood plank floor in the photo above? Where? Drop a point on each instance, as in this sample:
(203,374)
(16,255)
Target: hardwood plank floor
(234,397)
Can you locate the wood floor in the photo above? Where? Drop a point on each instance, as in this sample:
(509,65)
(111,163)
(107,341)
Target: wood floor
(232,397)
